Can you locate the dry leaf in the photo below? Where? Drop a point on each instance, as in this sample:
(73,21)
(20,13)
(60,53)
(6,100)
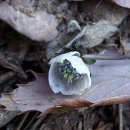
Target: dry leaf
(13,50)
(111,82)
(124,33)
(38,96)
(123,3)
(107,10)
(7,116)
(110,85)
(94,34)
(38,25)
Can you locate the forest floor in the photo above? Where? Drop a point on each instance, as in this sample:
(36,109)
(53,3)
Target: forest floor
(19,55)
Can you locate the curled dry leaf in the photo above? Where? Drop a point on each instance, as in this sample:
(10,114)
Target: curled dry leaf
(40,27)
(105,9)
(124,33)
(94,34)
(54,46)
(110,85)
(123,3)
(25,3)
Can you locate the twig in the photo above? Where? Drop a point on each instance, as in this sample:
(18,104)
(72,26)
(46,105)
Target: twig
(22,121)
(120,117)
(28,126)
(6,76)
(107,57)
(35,126)
(81,34)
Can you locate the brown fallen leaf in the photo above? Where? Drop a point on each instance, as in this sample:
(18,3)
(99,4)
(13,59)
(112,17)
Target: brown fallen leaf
(39,26)
(110,82)
(123,3)
(124,34)
(13,50)
(105,9)
(102,29)
(37,95)
(110,85)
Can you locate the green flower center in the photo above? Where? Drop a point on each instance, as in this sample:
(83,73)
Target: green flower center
(68,72)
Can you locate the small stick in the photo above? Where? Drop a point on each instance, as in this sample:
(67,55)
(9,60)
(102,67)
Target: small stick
(81,34)
(6,76)
(120,117)
(103,57)
(20,124)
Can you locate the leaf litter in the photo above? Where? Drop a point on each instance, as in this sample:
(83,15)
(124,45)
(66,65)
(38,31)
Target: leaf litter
(109,87)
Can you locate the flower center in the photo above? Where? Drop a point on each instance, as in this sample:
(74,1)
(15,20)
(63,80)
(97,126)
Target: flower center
(68,72)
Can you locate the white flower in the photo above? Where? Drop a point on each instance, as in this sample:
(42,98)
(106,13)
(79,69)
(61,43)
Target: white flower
(72,83)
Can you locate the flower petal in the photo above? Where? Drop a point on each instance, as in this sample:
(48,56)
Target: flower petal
(57,82)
